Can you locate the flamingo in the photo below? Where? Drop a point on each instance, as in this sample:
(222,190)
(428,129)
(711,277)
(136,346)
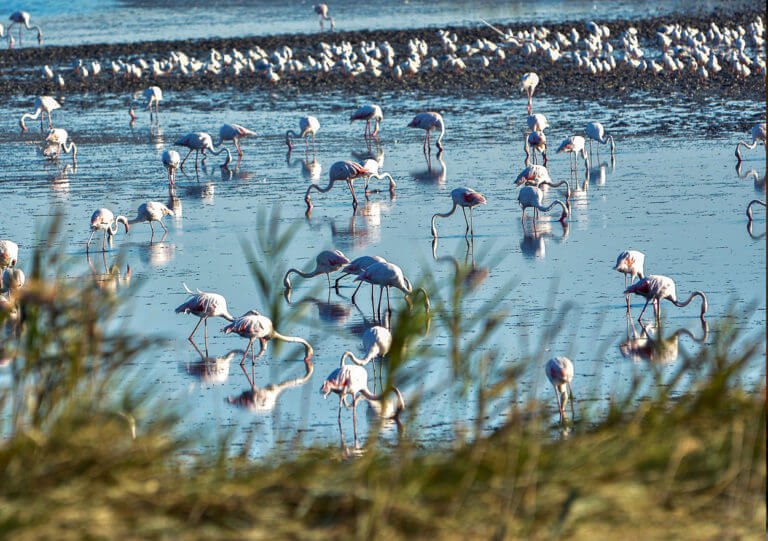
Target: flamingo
(386,275)
(462,197)
(9,254)
(254,326)
(308,125)
(376,343)
(758,135)
(11,280)
(428,122)
(371,167)
(596,132)
(528,84)
(59,138)
(655,287)
(153,95)
(630,263)
(22,19)
(152,211)
(43,105)
(351,379)
(532,196)
(233,132)
(103,219)
(322,14)
(369,113)
(171,161)
(559,372)
(356,267)
(343,170)
(533,175)
(200,142)
(574,145)
(536,141)
(204,305)
(749,208)
(537,122)
(326,262)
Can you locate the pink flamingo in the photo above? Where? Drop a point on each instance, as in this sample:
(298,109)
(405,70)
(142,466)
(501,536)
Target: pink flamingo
(326,262)
(528,84)
(655,288)
(559,372)
(200,142)
(171,161)
(103,219)
(596,132)
(254,326)
(22,19)
(233,132)
(152,211)
(59,138)
(204,305)
(532,196)
(574,145)
(537,122)
(428,122)
(758,135)
(308,125)
(464,198)
(9,253)
(343,170)
(536,141)
(630,263)
(369,113)
(43,105)
(356,267)
(533,175)
(376,343)
(386,275)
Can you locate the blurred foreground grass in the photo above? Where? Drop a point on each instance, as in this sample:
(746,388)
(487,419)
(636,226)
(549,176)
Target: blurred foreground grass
(692,467)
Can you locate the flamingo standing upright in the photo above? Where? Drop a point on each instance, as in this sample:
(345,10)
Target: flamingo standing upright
(22,19)
(103,219)
(376,343)
(386,275)
(351,379)
(153,95)
(630,263)
(308,125)
(758,135)
(536,142)
(171,161)
(152,211)
(655,287)
(559,372)
(233,132)
(326,262)
(464,198)
(528,84)
(204,305)
(533,197)
(428,122)
(749,208)
(322,15)
(356,267)
(9,254)
(369,113)
(254,326)
(200,142)
(343,170)
(43,105)
(596,132)
(574,145)
(59,138)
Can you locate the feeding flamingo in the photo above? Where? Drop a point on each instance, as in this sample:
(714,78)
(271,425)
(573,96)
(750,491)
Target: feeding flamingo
(9,254)
(233,132)
(343,170)
(254,326)
(532,196)
(351,379)
(533,175)
(537,122)
(204,305)
(596,132)
(308,125)
(103,219)
(655,288)
(371,167)
(386,275)
(369,113)
(200,142)
(322,15)
(559,372)
(153,95)
(428,122)
(376,343)
(464,198)
(43,105)
(171,161)
(528,84)
(356,267)
(59,138)
(326,262)
(22,19)
(152,211)
(12,280)
(536,141)
(630,263)
(758,135)
(574,145)
(749,207)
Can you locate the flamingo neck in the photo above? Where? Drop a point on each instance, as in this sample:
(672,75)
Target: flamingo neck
(444,215)
(295,339)
(440,138)
(688,301)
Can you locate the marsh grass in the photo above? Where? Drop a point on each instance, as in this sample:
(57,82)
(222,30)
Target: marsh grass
(685,461)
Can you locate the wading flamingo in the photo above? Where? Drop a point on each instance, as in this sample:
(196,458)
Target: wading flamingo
(103,219)
(537,122)
(308,125)
(22,19)
(528,84)
(596,132)
(655,288)
(344,170)
(630,263)
(326,262)
(9,254)
(369,113)
(536,141)
(559,372)
(532,196)
(386,275)
(371,167)
(749,207)
(428,122)
(322,14)
(233,132)
(356,267)
(758,136)
(204,305)
(574,145)
(43,105)
(533,175)
(376,343)
(152,211)
(171,161)
(254,326)
(153,95)
(200,142)
(59,138)
(464,198)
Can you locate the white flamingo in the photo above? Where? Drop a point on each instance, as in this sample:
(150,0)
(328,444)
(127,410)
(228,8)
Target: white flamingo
(9,254)
(234,132)
(22,19)
(371,167)
(386,275)
(655,288)
(254,326)
(758,136)
(326,262)
(43,105)
(369,113)
(308,125)
(536,142)
(537,122)
(376,342)
(356,267)
(596,132)
(428,122)
(528,84)
(200,142)
(171,161)
(559,372)
(574,145)
(322,14)
(630,263)
(345,170)
(464,198)
(103,219)
(59,138)
(152,211)
(533,197)
(204,305)
(153,95)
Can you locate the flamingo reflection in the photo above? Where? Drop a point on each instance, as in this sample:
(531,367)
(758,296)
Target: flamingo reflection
(658,350)
(430,175)
(532,244)
(111,279)
(211,370)
(264,399)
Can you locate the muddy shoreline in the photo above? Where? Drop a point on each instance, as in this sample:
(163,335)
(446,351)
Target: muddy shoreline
(561,79)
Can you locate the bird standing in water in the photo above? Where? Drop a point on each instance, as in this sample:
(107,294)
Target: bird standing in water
(308,125)
(655,288)
(233,132)
(428,122)
(630,263)
(464,198)
(758,135)
(376,343)
(254,326)
(152,211)
(153,95)
(103,219)
(200,142)
(204,305)
(596,132)
(528,84)
(43,105)
(559,372)
(326,262)
(171,161)
(322,14)
(369,113)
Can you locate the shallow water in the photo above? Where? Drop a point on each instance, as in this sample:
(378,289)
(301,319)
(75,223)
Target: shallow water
(91,21)
(676,198)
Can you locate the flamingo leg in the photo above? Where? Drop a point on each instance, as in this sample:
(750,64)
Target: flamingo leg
(598,153)
(471,223)
(205,333)
(389,308)
(466,231)
(381,294)
(185,159)
(573,411)
(355,293)
(328,275)
(559,404)
(354,417)
(199,321)
(104,242)
(164,228)
(640,318)
(237,145)
(313,143)
(263,347)
(88,246)
(352,191)
(245,354)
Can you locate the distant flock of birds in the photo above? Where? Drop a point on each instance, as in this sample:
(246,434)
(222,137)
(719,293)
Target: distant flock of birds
(351,380)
